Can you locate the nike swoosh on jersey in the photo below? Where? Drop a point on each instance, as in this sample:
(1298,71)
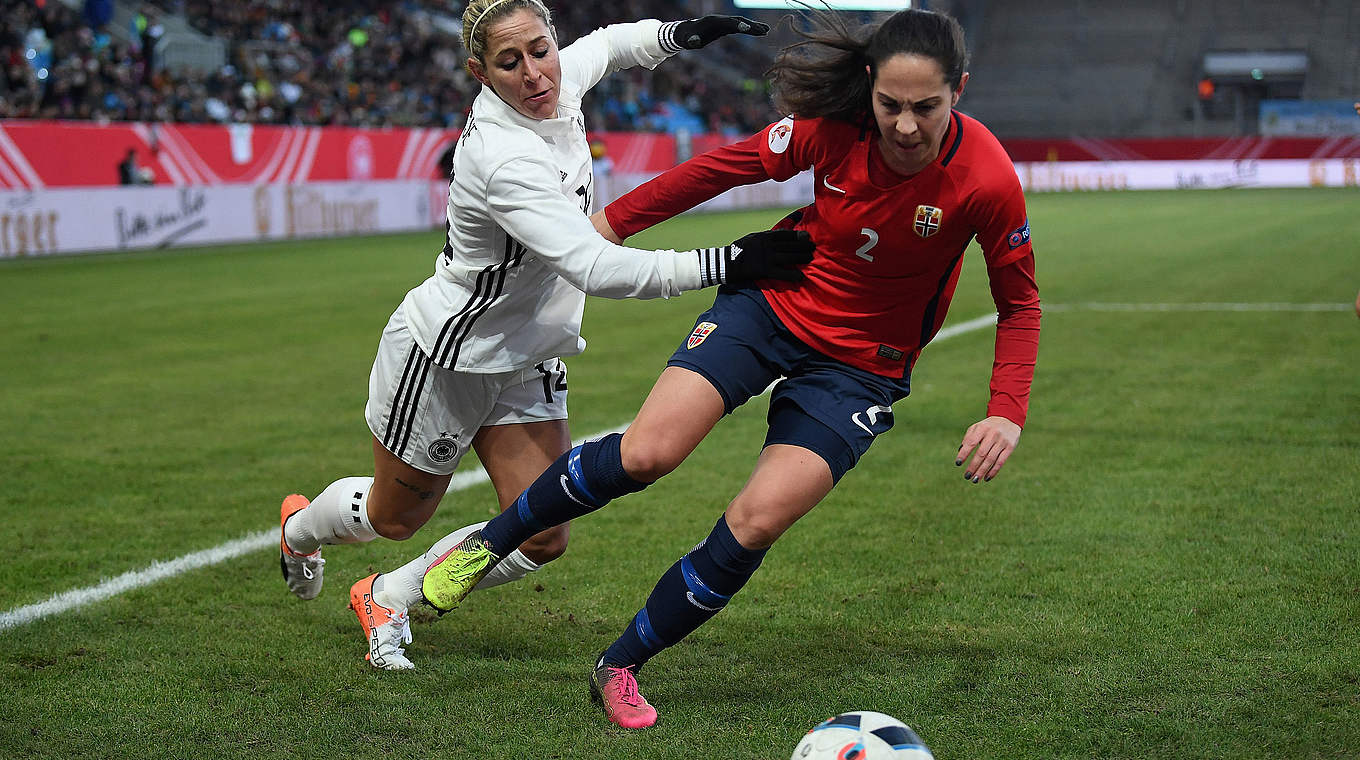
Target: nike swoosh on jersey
(830,186)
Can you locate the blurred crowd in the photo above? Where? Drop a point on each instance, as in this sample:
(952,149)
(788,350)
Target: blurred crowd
(336,62)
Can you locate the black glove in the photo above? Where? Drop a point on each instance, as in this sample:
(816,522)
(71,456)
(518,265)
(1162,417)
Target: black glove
(768,255)
(695,33)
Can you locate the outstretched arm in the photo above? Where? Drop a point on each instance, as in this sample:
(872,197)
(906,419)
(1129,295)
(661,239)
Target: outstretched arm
(777,152)
(645,43)
(990,441)
(698,32)
(523,201)
(683,187)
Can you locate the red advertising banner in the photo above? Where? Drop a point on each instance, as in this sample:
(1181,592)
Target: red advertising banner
(52,154)
(35,154)
(55,154)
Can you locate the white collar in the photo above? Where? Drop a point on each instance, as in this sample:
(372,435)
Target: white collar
(488,106)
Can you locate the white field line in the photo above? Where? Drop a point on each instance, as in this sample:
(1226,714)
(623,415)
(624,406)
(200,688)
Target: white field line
(158,571)
(81,597)
(945,333)
(1198,307)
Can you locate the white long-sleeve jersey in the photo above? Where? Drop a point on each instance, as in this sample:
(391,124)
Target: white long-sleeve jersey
(509,289)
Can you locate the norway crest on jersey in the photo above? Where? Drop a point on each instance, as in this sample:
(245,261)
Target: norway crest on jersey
(701,331)
(928,220)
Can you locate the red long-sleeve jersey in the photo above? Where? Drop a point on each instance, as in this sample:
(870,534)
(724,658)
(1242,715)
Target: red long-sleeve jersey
(889,248)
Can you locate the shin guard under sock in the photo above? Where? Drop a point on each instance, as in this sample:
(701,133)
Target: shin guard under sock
(401,588)
(338,515)
(578,483)
(691,592)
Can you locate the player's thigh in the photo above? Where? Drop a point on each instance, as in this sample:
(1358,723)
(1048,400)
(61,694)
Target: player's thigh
(515,454)
(423,419)
(787,482)
(681,409)
(526,432)
(735,350)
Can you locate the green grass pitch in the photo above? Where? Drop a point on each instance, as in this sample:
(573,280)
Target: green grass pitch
(1169,566)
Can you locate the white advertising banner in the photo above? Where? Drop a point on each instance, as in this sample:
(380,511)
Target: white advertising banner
(1062,176)
(1182,175)
(44,222)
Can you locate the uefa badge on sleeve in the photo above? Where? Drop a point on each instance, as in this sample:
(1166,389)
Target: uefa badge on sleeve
(928,220)
(780,135)
(701,331)
(1019,236)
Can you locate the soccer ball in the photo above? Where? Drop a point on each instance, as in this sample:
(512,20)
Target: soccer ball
(861,735)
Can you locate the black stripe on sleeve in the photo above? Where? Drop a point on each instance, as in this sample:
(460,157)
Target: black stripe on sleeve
(712,269)
(665,37)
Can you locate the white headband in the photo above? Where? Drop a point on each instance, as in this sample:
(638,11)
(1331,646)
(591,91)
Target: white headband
(473,32)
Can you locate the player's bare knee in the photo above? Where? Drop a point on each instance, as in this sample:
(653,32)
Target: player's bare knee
(753,530)
(647,461)
(395,527)
(546,546)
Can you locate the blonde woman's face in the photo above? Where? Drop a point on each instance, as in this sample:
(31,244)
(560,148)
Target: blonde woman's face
(521,64)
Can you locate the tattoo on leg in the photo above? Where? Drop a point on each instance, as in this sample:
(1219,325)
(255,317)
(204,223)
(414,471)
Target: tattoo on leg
(415,489)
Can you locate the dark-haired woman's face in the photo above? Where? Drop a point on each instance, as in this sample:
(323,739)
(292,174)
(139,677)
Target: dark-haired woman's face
(911,102)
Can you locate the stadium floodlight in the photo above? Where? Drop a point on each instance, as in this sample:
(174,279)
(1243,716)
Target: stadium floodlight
(840,5)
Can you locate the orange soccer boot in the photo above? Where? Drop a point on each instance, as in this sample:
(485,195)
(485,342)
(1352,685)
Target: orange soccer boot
(302,572)
(386,628)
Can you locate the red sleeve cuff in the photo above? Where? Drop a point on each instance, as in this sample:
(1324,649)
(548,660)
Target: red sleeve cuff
(1017,338)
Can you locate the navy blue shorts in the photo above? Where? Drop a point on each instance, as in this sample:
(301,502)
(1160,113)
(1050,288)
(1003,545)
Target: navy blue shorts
(823,405)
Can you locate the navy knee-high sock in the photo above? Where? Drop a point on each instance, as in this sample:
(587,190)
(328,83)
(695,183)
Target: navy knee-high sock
(578,483)
(693,590)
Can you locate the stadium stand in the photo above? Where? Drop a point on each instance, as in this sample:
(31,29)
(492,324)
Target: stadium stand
(1050,68)
(342,62)
(1080,67)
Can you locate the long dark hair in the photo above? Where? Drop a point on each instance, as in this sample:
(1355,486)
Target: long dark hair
(823,74)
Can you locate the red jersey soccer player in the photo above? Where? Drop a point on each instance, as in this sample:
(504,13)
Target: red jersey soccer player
(903,184)
(889,251)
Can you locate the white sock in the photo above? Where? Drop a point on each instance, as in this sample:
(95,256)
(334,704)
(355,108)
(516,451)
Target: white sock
(512,568)
(338,515)
(401,588)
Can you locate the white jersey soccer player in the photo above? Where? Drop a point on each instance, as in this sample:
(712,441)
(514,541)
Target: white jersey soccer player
(471,357)
(509,289)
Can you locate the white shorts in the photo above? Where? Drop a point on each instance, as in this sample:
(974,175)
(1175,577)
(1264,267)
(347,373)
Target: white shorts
(427,415)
